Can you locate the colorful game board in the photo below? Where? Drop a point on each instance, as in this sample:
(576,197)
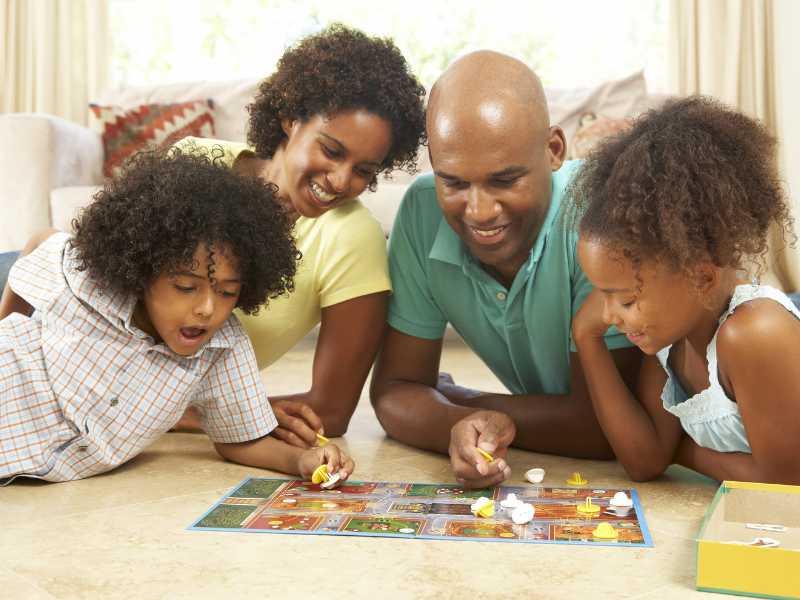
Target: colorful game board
(423,511)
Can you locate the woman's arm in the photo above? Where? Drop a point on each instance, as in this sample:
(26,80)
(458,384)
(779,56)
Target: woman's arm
(643,435)
(758,351)
(349,336)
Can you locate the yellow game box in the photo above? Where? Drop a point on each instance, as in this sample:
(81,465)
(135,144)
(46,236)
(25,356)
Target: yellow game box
(749,542)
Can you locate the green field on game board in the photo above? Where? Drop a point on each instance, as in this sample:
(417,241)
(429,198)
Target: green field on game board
(421,510)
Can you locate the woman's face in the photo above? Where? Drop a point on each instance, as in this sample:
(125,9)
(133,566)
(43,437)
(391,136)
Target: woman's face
(327,161)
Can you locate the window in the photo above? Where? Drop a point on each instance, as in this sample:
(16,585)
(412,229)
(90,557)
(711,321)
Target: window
(571,43)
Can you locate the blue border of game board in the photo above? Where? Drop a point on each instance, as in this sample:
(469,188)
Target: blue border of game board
(648,540)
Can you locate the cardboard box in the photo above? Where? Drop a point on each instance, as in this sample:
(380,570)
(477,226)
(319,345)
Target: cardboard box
(726,562)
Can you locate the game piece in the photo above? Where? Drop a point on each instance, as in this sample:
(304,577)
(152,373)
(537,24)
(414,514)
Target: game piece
(587,508)
(523,513)
(759,542)
(766,527)
(621,500)
(321,440)
(320,474)
(488,457)
(605,531)
(511,502)
(483,507)
(535,475)
(428,511)
(576,479)
(331,481)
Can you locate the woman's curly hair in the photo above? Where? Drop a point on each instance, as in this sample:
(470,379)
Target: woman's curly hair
(692,181)
(335,70)
(151,219)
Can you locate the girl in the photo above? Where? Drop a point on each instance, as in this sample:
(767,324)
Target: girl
(112,333)
(673,210)
(340,109)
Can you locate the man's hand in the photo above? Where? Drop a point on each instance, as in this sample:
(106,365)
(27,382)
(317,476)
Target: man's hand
(298,424)
(490,431)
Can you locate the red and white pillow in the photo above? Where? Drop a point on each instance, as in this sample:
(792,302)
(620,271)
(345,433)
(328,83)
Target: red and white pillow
(127,131)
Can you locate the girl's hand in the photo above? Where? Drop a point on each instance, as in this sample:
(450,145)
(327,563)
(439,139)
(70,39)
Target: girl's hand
(588,322)
(330,455)
(298,424)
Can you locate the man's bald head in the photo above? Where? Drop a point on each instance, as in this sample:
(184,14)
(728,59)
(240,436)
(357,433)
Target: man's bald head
(487,89)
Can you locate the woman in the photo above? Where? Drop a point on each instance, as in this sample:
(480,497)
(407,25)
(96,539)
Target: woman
(340,109)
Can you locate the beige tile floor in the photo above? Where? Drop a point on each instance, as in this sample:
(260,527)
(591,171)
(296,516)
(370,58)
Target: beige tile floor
(123,535)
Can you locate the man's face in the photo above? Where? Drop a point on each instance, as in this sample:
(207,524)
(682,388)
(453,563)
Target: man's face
(493,181)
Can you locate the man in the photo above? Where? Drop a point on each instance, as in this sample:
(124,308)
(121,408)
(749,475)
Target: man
(483,244)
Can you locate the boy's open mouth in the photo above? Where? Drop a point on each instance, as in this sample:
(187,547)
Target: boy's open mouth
(192,333)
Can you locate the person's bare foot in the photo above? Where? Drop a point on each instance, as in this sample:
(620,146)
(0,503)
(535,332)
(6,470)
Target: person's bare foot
(189,422)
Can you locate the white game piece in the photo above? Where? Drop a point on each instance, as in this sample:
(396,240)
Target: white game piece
(332,481)
(406,530)
(511,502)
(523,513)
(479,503)
(621,500)
(289,501)
(535,475)
(766,527)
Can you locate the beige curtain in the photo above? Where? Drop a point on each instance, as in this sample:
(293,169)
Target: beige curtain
(726,49)
(53,55)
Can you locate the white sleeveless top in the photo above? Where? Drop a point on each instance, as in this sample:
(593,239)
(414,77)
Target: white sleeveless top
(710,418)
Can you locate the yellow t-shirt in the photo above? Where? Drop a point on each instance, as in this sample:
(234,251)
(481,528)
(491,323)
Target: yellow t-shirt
(344,257)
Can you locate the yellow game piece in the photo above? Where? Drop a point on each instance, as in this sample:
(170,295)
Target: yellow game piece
(605,531)
(320,474)
(485,454)
(588,508)
(322,440)
(576,479)
(487,510)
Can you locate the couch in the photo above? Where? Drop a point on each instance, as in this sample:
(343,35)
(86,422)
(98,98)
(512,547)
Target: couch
(51,167)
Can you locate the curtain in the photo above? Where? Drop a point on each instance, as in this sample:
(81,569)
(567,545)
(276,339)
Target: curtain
(726,49)
(53,55)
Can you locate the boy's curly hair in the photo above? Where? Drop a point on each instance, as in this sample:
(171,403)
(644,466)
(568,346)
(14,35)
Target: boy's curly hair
(151,219)
(689,182)
(335,70)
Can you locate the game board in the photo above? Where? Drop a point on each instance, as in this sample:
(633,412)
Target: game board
(422,511)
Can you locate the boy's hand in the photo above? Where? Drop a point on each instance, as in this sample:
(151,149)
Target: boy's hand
(589,322)
(490,431)
(298,424)
(330,455)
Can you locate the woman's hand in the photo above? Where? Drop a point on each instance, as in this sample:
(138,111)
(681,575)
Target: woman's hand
(298,424)
(331,455)
(588,322)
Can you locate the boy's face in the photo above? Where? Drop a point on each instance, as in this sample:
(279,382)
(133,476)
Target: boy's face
(655,310)
(185,308)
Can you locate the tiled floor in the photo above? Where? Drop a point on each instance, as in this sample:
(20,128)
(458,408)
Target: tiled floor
(123,535)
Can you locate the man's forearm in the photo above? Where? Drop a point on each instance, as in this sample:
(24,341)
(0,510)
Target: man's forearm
(552,424)
(418,415)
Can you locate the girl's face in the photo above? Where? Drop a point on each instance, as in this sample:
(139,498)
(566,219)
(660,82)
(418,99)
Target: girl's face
(655,310)
(184,309)
(327,161)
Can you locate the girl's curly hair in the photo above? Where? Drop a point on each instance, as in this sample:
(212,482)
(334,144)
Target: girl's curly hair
(335,70)
(692,181)
(151,218)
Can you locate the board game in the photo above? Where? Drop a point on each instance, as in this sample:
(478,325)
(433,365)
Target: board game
(422,511)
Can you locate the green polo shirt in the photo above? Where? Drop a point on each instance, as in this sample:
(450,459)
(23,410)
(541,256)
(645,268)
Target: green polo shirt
(524,333)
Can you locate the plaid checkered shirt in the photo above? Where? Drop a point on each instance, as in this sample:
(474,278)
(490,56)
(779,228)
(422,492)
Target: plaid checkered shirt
(82,389)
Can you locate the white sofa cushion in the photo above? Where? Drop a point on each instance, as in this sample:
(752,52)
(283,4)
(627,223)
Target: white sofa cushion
(66,202)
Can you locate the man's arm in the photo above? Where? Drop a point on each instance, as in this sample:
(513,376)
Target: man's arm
(565,425)
(413,410)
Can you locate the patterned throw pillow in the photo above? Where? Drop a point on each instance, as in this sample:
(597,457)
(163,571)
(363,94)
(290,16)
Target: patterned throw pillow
(592,130)
(127,131)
